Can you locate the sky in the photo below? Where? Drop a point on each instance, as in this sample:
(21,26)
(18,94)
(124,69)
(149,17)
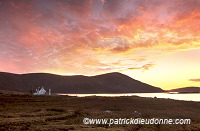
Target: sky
(153,41)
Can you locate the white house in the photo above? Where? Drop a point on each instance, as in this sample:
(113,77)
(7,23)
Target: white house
(39,91)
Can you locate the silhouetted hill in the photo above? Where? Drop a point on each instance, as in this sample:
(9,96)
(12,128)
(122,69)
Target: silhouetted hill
(117,82)
(186,89)
(106,83)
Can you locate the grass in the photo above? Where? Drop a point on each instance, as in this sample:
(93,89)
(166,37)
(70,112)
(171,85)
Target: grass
(24,112)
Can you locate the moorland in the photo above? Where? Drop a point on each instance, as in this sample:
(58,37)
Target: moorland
(20,111)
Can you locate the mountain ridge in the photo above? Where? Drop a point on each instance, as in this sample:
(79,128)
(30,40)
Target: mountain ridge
(113,82)
(185,89)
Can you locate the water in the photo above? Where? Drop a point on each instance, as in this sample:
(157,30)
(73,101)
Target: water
(185,97)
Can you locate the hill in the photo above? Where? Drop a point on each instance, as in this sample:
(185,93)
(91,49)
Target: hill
(106,83)
(186,89)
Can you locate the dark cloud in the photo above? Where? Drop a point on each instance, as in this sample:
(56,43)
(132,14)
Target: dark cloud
(80,8)
(112,7)
(121,49)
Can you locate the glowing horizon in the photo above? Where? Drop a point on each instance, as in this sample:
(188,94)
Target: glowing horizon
(156,42)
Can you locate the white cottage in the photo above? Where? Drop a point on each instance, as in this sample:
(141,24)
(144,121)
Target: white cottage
(39,91)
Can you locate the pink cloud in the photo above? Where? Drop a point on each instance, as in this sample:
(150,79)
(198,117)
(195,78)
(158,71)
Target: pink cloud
(74,35)
(194,80)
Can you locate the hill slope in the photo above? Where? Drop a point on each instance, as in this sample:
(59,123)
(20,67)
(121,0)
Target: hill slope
(117,82)
(186,89)
(106,83)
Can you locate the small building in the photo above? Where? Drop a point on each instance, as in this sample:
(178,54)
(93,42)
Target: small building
(40,91)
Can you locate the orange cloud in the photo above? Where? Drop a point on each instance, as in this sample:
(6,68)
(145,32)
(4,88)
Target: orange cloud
(144,67)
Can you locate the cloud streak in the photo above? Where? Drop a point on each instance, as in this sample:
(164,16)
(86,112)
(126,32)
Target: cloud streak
(194,80)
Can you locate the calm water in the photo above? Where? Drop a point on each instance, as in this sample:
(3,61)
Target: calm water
(186,97)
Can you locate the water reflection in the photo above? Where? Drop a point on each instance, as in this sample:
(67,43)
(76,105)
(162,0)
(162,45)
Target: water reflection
(186,96)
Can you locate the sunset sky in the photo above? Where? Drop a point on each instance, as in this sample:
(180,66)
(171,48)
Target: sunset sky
(154,41)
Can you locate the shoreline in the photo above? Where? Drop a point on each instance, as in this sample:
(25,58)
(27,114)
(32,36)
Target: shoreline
(146,95)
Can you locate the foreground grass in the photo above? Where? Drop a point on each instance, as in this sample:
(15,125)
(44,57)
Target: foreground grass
(24,112)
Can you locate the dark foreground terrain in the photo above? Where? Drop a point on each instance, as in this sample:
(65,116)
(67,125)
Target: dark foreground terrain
(25,112)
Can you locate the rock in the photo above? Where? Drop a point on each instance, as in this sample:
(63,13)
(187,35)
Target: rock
(136,113)
(107,111)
